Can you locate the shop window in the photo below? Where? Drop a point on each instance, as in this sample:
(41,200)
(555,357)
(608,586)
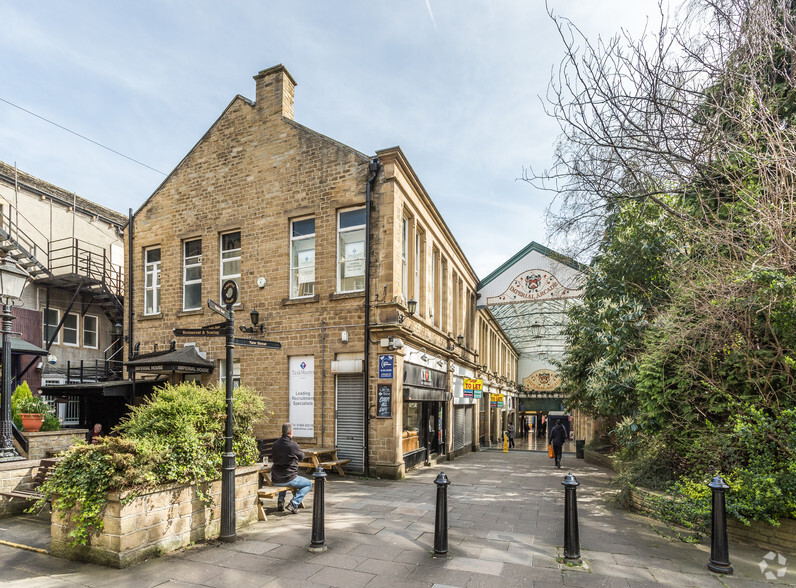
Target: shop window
(152,281)
(70,330)
(351,250)
(302,258)
(90,331)
(51,319)
(192,275)
(413,415)
(230,260)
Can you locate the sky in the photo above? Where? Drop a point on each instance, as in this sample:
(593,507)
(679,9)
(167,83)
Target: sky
(457,84)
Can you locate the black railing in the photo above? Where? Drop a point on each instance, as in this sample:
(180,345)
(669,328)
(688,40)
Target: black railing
(72,256)
(97,370)
(20,438)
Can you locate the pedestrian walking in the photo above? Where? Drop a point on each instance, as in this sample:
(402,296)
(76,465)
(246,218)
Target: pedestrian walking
(558,434)
(510,429)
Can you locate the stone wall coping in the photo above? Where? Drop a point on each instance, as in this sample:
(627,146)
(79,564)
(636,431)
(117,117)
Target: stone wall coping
(58,433)
(118,496)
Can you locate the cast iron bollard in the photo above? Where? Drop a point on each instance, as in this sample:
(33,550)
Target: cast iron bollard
(571,538)
(719,549)
(441,521)
(318,542)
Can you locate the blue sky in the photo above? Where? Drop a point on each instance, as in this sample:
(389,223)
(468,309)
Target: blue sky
(454,83)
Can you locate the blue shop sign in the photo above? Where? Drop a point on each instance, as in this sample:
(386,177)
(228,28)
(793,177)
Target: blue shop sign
(386,365)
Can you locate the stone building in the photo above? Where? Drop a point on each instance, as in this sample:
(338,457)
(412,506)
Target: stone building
(72,310)
(339,256)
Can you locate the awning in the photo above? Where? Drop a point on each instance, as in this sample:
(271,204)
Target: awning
(22,347)
(121,388)
(180,361)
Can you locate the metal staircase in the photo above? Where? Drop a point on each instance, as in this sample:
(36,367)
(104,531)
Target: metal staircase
(66,263)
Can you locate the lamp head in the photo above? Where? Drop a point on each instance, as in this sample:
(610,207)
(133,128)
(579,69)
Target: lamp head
(411,306)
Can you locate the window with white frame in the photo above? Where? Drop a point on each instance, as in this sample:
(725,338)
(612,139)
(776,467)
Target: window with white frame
(351,250)
(230,260)
(192,275)
(90,338)
(418,261)
(152,281)
(302,258)
(70,330)
(51,319)
(405,259)
(222,372)
(432,310)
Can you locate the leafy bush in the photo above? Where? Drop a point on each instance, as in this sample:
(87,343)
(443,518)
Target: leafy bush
(175,435)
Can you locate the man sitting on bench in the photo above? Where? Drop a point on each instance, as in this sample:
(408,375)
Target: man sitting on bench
(285,455)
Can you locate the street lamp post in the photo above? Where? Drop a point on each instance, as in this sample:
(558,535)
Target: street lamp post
(12,283)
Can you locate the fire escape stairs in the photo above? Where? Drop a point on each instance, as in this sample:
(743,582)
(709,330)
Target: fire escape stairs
(17,247)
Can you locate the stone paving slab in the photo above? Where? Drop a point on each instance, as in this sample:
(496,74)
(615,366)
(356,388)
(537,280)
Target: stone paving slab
(505,529)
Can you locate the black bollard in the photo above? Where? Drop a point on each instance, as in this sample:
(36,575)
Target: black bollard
(571,538)
(318,542)
(719,547)
(441,521)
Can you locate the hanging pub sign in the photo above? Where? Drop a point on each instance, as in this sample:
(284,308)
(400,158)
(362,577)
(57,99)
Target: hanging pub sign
(384,401)
(386,366)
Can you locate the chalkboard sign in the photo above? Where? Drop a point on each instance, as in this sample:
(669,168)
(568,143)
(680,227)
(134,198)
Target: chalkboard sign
(384,400)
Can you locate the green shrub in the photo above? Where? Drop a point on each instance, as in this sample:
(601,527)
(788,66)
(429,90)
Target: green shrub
(175,435)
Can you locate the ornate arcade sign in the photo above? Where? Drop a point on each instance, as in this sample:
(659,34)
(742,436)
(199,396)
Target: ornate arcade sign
(535,284)
(542,381)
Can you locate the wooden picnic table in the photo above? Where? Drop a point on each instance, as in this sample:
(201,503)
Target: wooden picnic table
(325,457)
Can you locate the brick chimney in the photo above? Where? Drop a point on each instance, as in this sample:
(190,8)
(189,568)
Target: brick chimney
(275,88)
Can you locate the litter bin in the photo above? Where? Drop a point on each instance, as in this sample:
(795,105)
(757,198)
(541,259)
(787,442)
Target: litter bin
(579,445)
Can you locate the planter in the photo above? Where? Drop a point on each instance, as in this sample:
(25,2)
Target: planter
(156,521)
(31,422)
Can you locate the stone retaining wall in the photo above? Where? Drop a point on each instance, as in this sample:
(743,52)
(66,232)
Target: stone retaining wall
(16,475)
(49,443)
(157,521)
(781,539)
(598,458)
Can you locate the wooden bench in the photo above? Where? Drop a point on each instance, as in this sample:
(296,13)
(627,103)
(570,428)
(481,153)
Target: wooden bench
(272,492)
(43,473)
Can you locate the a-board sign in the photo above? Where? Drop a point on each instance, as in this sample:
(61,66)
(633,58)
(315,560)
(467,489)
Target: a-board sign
(384,400)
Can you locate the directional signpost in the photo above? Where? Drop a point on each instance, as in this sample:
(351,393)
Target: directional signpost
(226,328)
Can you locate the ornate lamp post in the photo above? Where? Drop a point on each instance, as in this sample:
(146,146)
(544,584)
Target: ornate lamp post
(12,283)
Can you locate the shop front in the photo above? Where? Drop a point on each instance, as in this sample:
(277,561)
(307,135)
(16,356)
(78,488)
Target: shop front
(465,403)
(425,398)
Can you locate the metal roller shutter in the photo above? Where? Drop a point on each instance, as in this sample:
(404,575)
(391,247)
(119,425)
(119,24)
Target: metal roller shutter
(468,426)
(350,409)
(459,414)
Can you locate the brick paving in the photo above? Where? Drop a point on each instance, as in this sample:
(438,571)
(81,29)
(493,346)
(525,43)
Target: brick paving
(505,529)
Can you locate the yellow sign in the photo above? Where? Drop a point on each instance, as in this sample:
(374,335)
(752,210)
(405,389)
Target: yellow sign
(473,384)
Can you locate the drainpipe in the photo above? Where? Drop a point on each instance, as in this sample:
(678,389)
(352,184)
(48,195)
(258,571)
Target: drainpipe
(373,168)
(130,273)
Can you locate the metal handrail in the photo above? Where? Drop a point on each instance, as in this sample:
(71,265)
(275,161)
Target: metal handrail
(20,438)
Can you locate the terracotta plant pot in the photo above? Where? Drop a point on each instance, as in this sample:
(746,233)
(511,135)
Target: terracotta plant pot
(31,422)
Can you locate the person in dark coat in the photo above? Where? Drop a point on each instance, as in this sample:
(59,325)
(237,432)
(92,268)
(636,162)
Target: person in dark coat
(510,432)
(558,434)
(285,455)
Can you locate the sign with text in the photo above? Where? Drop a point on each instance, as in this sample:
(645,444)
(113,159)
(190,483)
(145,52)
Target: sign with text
(386,366)
(384,401)
(302,395)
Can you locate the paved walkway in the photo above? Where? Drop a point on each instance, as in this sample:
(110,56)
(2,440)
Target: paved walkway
(506,529)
